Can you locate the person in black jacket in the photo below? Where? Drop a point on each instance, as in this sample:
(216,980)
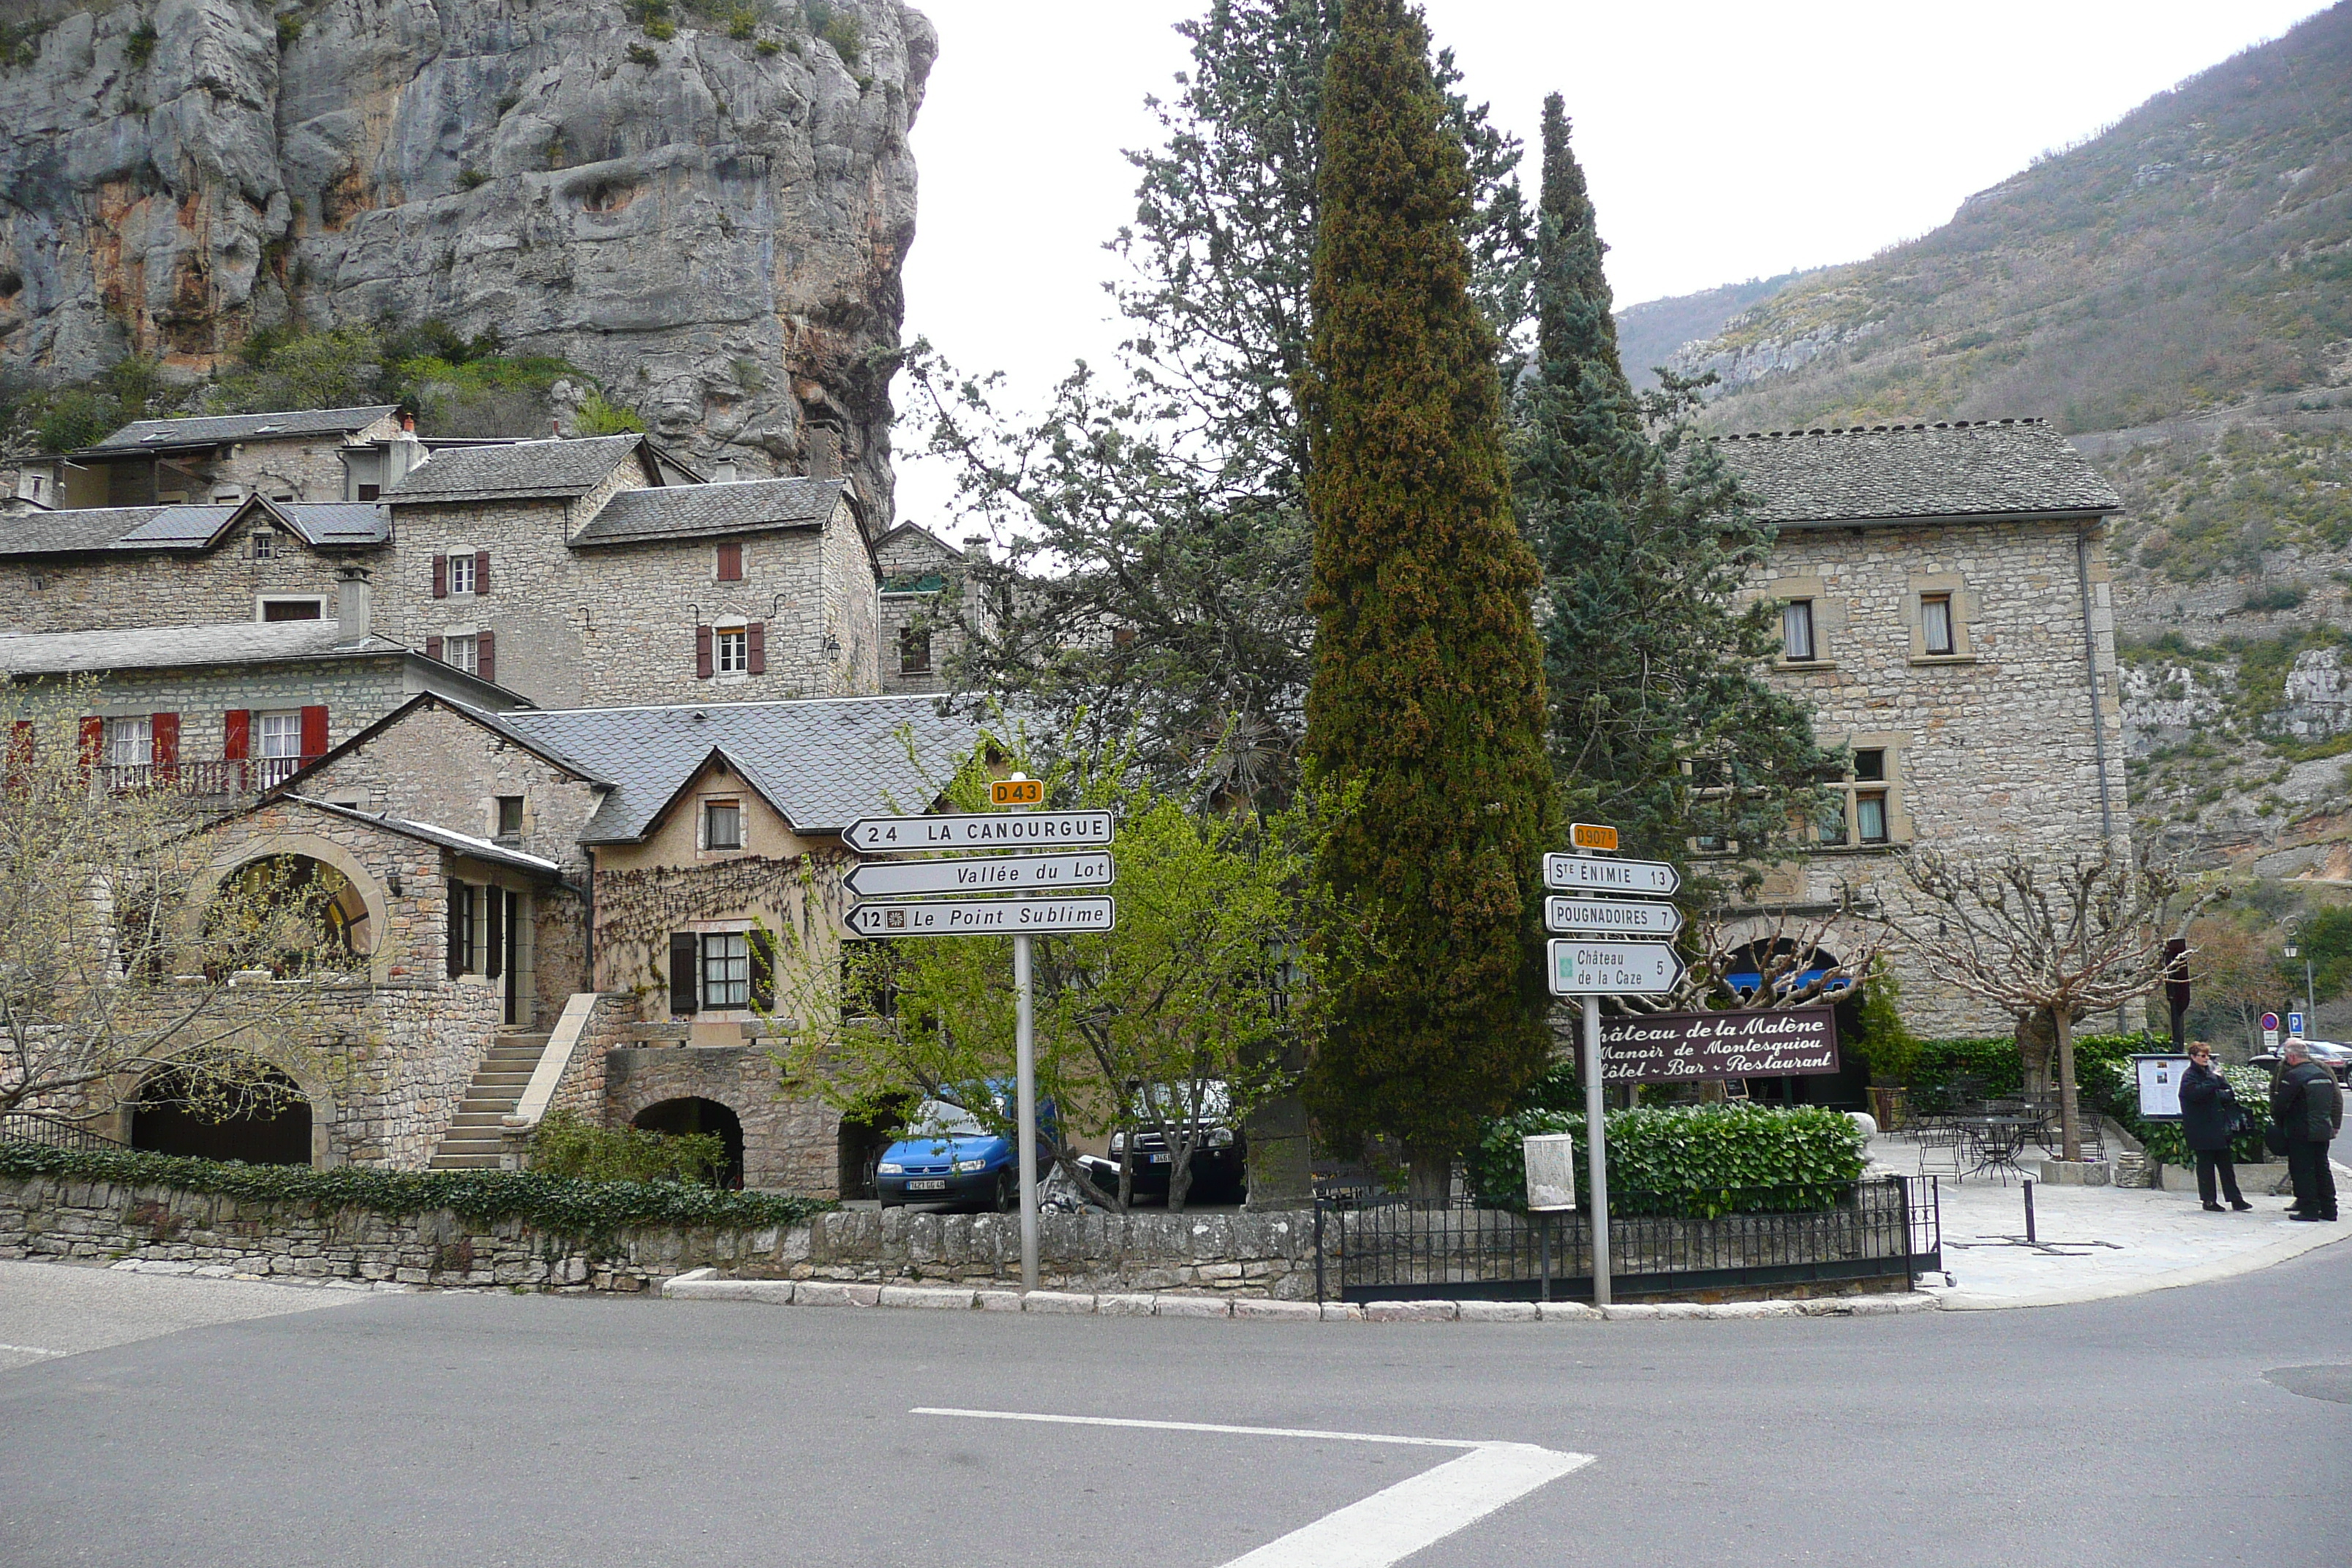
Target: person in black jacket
(2309,1108)
(2209,1120)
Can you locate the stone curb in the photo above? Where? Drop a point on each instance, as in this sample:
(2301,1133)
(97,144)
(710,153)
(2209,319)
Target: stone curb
(2310,1239)
(704,1284)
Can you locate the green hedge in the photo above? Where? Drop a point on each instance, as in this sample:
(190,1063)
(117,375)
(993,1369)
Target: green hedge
(1703,1161)
(566,1146)
(2115,1089)
(592,1211)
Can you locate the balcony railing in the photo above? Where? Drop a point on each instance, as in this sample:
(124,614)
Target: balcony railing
(244,775)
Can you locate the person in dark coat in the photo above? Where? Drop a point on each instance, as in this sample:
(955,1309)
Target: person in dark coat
(2309,1109)
(2209,1120)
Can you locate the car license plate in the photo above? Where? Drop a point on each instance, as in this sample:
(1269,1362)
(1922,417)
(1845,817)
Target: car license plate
(935,1185)
(1157,1160)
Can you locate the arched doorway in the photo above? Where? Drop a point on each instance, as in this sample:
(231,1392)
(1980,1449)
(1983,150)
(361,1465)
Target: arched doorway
(698,1115)
(860,1140)
(1781,963)
(254,1114)
(330,905)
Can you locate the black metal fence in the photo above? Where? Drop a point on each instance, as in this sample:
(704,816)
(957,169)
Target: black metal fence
(24,1127)
(1385,1250)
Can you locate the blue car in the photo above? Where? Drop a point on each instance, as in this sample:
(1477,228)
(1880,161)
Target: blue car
(948,1157)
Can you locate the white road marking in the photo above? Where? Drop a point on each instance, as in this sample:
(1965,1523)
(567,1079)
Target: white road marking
(29,1349)
(1392,1524)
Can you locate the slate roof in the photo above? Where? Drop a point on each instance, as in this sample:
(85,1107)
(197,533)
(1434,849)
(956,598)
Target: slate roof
(516,470)
(80,530)
(211,430)
(698,511)
(1985,469)
(447,838)
(821,764)
(173,648)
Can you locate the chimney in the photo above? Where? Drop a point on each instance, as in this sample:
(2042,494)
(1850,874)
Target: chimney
(824,448)
(555,430)
(403,455)
(354,603)
(408,423)
(722,472)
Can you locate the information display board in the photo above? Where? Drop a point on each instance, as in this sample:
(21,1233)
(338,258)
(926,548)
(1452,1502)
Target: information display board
(2159,1086)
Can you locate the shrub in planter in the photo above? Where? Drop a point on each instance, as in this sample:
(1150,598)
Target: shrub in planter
(566,1146)
(1702,1161)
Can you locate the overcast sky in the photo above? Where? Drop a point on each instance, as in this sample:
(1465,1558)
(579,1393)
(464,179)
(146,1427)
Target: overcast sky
(1723,141)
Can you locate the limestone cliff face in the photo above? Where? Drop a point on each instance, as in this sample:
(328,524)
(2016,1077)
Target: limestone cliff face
(713,231)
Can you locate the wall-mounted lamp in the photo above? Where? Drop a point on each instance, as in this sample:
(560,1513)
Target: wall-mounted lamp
(395,881)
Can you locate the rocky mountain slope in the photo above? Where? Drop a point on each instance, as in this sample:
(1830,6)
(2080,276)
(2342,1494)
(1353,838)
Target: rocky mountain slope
(2175,292)
(703,206)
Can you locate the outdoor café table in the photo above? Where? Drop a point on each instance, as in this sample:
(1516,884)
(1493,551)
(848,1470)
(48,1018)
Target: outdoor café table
(1998,1139)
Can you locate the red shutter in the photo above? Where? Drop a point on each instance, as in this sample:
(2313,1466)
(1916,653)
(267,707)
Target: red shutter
(702,653)
(440,576)
(163,730)
(432,648)
(93,741)
(314,733)
(236,734)
(20,752)
(755,648)
(731,563)
(481,570)
(485,657)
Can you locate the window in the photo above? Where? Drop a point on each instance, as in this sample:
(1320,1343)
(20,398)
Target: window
(727,969)
(264,544)
(461,575)
(731,561)
(914,652)
(731,649)
(722,825)
(1936,623)
(462,653)
(281,745)
(370,492)
(509,815)
(1858,811)
(291,610)
(1797,644)
(129,743)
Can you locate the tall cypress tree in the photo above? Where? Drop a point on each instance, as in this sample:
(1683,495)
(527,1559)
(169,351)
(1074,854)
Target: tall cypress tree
(1427,694)
(1661,722)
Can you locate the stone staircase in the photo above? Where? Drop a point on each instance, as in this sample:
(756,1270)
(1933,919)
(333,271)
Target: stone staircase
(473,1142)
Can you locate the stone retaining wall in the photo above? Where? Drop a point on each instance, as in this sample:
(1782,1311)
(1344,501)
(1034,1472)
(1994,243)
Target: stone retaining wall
(1251,1255)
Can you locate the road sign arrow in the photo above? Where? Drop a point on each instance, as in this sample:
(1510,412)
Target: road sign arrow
(1585,874)
(1616,917)
(983,917)
(985,874)
(1600,967)
(991,830)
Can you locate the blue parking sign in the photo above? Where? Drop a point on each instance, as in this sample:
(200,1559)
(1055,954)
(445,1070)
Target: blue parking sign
(2294,1025)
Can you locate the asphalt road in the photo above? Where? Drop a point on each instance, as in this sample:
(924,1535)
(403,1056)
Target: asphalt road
(2205,1425)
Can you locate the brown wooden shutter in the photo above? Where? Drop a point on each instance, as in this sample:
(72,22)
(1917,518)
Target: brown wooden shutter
(755,648)
(163,751)
(481,570)
(493,932)
(486,656)
(236,734)
(763,970)
(702,653)
(432,648)
(440,576)
(685,953)
(314,733)
(93,742)
(461,927)
(731,561)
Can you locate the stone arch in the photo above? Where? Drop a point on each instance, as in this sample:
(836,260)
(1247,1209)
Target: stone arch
(311,1076)
(268,1123)
(693,1113)
(326,852)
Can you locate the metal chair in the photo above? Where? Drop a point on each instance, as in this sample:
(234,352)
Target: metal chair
(1942,1150)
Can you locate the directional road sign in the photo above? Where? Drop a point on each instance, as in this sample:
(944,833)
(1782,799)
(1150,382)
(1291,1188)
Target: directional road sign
(1599,966)
(988,830)
(987,874)
(1583,874)
(1612,916)
(983,917)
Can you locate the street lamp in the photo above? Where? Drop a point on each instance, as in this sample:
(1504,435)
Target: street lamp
(2309,1008)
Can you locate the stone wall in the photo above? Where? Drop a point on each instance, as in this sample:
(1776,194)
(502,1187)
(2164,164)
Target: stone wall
(356,693)
(790,1139)
(1991,750)
(175,588)
(1253,1255)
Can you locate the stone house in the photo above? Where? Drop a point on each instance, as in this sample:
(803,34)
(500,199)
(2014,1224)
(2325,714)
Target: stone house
(222,712)
(1944,594)
(598,570)
(309,454)
(917,568)
(608,911)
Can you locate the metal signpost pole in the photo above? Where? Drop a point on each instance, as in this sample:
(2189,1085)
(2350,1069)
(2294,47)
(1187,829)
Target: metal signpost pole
(1025,1075)
(1596,1145)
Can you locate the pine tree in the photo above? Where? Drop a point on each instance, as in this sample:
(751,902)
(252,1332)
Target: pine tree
(1661,723)
(1427,695)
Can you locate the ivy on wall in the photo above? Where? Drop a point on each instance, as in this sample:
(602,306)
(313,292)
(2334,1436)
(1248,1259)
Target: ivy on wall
(645,905)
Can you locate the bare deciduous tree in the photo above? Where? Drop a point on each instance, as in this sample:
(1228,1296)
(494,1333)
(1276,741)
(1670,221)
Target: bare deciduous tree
(1783,957)
(2066,938)
(123,949)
